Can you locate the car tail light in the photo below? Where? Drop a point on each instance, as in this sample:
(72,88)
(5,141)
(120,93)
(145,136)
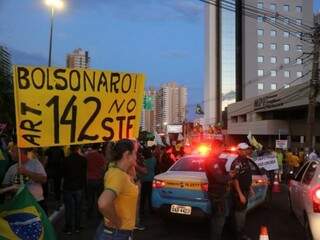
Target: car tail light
(204,187)
(316,200)
(158,184)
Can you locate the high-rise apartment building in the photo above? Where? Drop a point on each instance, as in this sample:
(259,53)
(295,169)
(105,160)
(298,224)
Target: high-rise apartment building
(265,56)
(78,59)
(317,18)
(171,103)
(6,88)
(5,65)
(272,56)
(148,119)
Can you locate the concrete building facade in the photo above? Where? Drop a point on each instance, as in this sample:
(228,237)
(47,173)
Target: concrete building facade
(6,87)
(78,59)
(171,103)
(280,114)
(5,65)
(267,57)
(273,56)
(212,88)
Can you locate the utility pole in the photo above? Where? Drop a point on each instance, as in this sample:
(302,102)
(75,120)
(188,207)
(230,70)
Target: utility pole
(314,88)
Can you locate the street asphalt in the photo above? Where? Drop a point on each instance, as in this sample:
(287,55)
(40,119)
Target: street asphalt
(281,224)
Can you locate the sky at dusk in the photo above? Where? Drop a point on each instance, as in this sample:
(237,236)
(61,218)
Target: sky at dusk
(162,38)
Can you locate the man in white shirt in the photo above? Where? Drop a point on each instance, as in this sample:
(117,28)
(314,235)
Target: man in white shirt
(313,155)
(33,173)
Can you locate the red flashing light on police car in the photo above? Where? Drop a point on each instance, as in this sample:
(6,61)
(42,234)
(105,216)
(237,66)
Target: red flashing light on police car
(204,150)
(316,200)
(233,149)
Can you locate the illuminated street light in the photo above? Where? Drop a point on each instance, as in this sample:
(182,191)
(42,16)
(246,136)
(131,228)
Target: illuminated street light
(57,4)
(53,4)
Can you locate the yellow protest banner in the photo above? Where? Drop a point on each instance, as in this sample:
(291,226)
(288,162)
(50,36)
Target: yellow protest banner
(58,106)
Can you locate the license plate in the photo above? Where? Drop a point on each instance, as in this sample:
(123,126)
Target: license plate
(185,210)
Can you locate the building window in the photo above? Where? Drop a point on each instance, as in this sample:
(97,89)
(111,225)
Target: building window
(286,60)
(286,74)
(299,61)
(286,20)
(299,48)
(260,59)
(260,73)
(260,5)
(273,33)
(273,46)
(260,45)
(273,73)
(260,32)
(298,9)
(286,85)
(273,60)
(260,19)
(260,86)
(299,74)
(273,86)
(286,8)
(273,19)
(286,47)
(286,34)
(298,21)
(273,7)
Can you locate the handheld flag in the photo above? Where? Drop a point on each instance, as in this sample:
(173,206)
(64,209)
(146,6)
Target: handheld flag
(199,110)
(253,142)
(23,218)
(148,103)
(158,139)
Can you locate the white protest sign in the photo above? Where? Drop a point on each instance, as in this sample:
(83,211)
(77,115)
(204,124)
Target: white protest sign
(268,162)
(282,144)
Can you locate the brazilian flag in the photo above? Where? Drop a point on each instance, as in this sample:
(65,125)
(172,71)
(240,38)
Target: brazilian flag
(23,218)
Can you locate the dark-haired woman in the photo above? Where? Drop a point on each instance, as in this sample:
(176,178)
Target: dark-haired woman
(118,201)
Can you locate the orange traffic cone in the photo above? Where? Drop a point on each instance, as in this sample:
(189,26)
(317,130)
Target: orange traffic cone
(264,233)
(276,185)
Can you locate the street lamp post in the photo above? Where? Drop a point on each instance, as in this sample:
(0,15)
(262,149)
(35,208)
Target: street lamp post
(53,4)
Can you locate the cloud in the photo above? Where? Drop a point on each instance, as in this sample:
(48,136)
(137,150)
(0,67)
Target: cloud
(25,58)
(175,54)
(144,10)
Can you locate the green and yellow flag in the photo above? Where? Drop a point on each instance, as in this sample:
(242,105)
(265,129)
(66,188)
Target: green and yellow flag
(23,218)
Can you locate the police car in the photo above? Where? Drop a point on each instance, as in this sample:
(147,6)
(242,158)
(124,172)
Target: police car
(182,190)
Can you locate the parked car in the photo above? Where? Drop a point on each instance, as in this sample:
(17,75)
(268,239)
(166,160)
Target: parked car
(304,197)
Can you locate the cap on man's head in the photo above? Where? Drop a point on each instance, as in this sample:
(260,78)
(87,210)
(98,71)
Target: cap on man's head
(243,146)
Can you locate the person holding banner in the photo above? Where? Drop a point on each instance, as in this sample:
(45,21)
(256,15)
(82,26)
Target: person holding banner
(118,202)
(33,174)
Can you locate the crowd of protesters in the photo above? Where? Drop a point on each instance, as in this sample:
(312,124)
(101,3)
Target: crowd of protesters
(112,180)
(78,176)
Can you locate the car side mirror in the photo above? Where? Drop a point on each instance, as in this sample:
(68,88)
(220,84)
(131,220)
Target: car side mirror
(291,175)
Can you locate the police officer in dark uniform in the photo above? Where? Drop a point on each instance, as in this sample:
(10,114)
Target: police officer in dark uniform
(218,190)
(242,188)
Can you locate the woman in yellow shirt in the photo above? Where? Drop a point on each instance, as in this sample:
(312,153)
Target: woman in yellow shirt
(118,201)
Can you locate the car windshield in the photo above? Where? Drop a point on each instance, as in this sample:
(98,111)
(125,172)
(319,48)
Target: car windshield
(189,164)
